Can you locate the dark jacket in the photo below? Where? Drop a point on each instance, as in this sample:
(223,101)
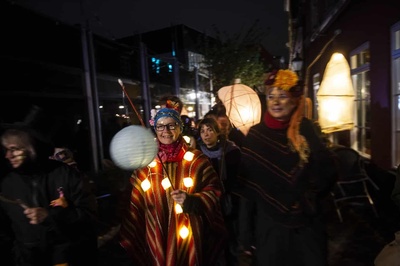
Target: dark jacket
(68,233)
(279,211)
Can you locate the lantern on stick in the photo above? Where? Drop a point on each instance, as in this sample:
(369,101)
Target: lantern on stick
(133,147)
(243,106)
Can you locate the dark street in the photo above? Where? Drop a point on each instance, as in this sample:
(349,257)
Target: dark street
(355,242)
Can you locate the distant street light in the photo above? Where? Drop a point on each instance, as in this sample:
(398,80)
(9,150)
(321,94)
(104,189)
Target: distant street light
(297,64)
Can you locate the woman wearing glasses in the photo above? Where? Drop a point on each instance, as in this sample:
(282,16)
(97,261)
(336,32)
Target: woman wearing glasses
(174,215)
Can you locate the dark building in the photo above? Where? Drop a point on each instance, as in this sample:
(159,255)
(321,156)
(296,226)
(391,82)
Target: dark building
(70,73)
(367,34)
(76,76)
(175,64)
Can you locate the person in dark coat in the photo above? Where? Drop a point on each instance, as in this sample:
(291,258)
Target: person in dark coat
(46,202)
(225,158)
(285,173)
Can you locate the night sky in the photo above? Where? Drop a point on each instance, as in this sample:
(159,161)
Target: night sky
(121,18)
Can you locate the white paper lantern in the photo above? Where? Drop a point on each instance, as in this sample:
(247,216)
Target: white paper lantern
(133,147)
(242,104)
(336,96)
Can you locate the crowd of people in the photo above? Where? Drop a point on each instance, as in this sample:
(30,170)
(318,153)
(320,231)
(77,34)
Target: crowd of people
(212,196)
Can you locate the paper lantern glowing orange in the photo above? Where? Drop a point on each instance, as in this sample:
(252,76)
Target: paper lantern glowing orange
(243,106)
(336,96)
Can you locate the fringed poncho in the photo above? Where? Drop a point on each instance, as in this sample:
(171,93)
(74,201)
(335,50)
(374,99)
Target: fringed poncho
(150,232)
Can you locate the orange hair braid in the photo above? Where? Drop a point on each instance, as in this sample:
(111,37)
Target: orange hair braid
(297,141)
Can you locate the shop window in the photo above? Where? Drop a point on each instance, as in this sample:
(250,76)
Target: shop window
(360,67)
(395,58)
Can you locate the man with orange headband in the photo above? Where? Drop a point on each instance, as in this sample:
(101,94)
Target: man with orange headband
(285,172)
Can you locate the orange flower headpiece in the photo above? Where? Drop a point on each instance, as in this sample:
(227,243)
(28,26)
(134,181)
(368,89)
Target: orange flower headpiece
(289,81)
(286,80)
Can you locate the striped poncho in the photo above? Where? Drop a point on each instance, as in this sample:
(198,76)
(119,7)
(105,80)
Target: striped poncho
(150,230)
(273,175)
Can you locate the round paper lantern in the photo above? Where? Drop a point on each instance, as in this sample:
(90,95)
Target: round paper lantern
(133,147)
(242,104)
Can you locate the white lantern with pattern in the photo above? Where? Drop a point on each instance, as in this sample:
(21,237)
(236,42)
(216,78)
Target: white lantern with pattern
(133,147)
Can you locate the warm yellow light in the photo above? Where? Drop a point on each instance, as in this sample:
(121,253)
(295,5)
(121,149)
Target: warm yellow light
(145,185)
(184,232)
(187,139)
(188,156)
(165,183)
(178,208)
(188,182)
(152,164)
(242,104)
(336,96)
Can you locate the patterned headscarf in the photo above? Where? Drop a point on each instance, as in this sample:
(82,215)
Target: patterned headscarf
(167,112)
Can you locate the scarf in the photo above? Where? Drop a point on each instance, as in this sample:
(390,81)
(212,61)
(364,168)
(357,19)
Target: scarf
(273,123)
(214,152)
(297,141)
(171,152)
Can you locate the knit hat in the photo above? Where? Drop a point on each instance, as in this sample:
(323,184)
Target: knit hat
(167,112)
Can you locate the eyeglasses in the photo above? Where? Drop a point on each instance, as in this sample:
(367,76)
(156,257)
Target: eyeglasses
(279,97)
(168,127)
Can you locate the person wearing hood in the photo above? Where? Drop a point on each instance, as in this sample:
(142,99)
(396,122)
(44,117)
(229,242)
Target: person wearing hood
(46,202)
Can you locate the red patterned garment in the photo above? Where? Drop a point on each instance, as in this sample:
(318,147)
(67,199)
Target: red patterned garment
(150,230)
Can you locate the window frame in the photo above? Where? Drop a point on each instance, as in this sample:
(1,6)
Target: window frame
(395,55)
(356,71)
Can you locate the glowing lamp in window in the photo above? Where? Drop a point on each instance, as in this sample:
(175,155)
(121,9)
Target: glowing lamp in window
(336,96)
